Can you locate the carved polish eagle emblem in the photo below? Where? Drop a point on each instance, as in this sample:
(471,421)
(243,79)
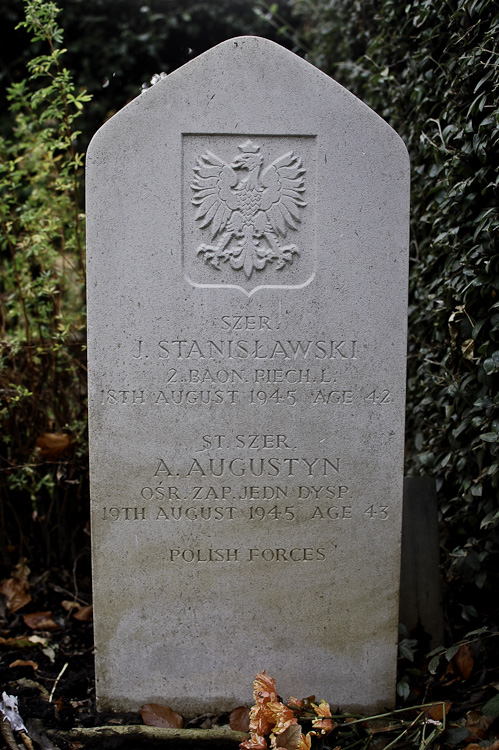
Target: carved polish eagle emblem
(249,209)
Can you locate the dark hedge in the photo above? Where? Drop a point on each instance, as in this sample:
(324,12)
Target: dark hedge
(431,70)
(115,46)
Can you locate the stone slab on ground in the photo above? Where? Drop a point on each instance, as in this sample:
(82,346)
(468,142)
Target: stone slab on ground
(247,305)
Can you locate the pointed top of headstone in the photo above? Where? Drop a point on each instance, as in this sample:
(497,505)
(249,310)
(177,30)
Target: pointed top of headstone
(261,73)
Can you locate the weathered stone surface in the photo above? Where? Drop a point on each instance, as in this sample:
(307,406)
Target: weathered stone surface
(247,242)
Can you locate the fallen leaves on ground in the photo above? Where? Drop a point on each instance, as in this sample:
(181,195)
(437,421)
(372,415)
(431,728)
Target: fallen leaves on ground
(463,661)
(289,739)
(239,719)
(24,663)
(155,715)
(84,614)
(438,710)
(24,641)
(40,621)
(16,588)
(477,724)
(475,746)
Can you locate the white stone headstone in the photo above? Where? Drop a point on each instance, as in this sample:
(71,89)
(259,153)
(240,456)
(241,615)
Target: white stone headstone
(247,304)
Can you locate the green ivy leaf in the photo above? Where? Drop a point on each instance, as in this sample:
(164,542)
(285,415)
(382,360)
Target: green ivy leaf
(491,708)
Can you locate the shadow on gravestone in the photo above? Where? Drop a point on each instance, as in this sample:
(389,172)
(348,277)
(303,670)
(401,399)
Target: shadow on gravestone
(420,581)
(247,304)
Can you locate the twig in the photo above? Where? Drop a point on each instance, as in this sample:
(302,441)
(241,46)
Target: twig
(26,741)
(57,680)
(402,734)
(391,713)
(8,734)
(362,741)
(37,733)
(221,738)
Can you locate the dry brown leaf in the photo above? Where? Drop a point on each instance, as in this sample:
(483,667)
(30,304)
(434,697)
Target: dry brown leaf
(40,621)
(463,660)
(239,719)
(436,712)
(23,663)
(21,570)
(84,614)
(80,612)
(16,591)
(290,738)
(52,445)
(154,715)
(477,724)
(474,746)
(468,349)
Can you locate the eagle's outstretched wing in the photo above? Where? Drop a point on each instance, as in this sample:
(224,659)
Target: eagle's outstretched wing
(282,197)
(214,196)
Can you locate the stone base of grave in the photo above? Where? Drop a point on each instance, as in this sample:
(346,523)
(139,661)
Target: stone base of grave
(137,736)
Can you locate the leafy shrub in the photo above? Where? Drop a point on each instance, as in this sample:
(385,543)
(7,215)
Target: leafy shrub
(43,475)
(43,441)
(431,70)
(115,46)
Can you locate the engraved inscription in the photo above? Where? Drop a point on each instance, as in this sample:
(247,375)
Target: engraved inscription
(246,323)
(340,349)
(292,350)
(248,209)
(263,479)
(256,467)
(204,387)
(258,479)
(279,554)
(256,513)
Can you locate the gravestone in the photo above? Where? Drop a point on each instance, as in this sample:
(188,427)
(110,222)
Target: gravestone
(247,280)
